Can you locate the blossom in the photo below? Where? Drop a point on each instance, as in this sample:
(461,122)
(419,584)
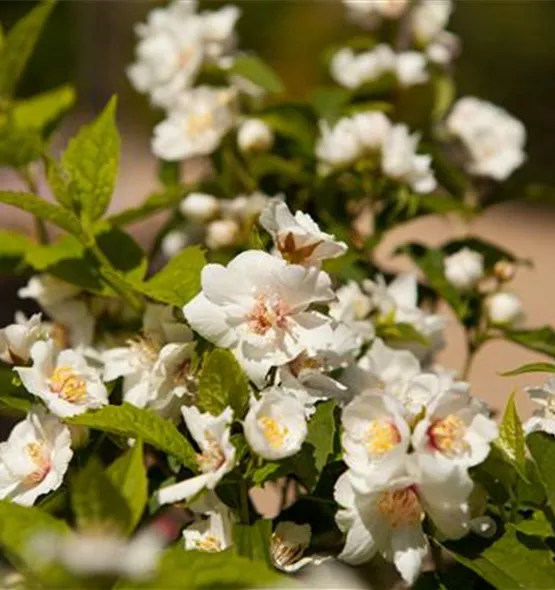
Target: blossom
(196,125)
(429,18)
(244,208)
(352,70)
(503,309)
(388,519)
(464,268)
(543,419)
(155,364)
(17,339)
(338,146)
(63,380)
(254,135)
(410,68)
(47,290)
(199,207)
(222,233)
(401,162)
(34,459)
(213,534)
(275,425)
(217,456)
(352,307)
(288,544)
(372,130)
(368,13)
(258,308)
(297,237)
(494,140)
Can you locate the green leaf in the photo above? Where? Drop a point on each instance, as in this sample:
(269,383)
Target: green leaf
(18,147)
(445,93)
(223,383)
(542,449)
(18,47)
(536,526)
(539,339)
(132,422)
(14,399)
(511,437)
(269,471)
(253,541)
(509,561)
(292,121)
(179,281)
(58,181)
(401,333)
(123,253)
(329,102)
(530,368)
(43,209)
(128,474)
(40,110)
(42,257)
(491,252)
(321,433)
(95,500)
(13,247)
(92,161)
(262,165)
(258,72)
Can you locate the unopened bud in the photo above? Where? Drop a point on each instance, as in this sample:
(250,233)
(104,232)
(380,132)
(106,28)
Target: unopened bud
(464,269)
(173,243)
(199,207)
(255,136)
(222,233)
(504,271)
(503,309)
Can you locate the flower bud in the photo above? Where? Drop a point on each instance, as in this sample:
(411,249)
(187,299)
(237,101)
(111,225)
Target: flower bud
(254,136)
(464,269)
(199,206)
(222,233)
(503,309)
(173,243)
(504,271)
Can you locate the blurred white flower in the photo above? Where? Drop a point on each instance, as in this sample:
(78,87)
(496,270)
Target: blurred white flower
(352,70)
(35,458)
(258,308)
(401,162)
(410,68)
(444,48)
(297,237)
(47,290)
(63,380)
(504,309)
(217,456)
(464,268)
(173,242)
(352,307)
(543,419)
(254,135)
(429,18)
(244,208)
(17,339)
(222,233)
(196,125)
(494,140)
(218,32)
(339,145)
(199,207)
(372,129)
(368,13)
(275,425)
(212,534)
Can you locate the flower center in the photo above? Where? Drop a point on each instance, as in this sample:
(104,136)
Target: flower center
(146,349)
(380,438)
(447,436)
(284,553)
(199,123)
(36,453)
(68,385)
(291,252)
(303,362)
(401,508)
(209,543)
(267,313)
(273,431)
(212,458)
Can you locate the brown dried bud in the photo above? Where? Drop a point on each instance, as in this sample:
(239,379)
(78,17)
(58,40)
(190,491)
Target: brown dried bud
(504,271)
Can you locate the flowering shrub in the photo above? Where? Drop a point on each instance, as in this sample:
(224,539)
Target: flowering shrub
(270,345)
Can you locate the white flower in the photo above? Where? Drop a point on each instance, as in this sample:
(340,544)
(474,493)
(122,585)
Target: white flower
(352,308)
(297,237)
(217,456)
(288,544)
(212,535)
(257,307)
(375,439)
(453,433)
(429,18)
(504,309)
(222,233)
(196,125)
(352,71)
(445,47)
(47,290)
(493,139)
(464,268)
(63,380)
(155,364)
(373,129)
(244,208)
(401,162)
(17,339)
(34,459)
(338,146)
(275,425)
(410,68)
(388,520)
(367,13)
(254,136)
(218,31)
(543,419)
(199,207)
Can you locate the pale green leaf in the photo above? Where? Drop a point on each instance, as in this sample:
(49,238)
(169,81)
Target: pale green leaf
(132,422)
(128,474)
(19,147)
(542,449)
(41,256)
(536,526)
(40,110)
(58,181)
(253,541)
(92,161)
(258,72)
(511,437)
(13,247)
(223,383)
(530,368)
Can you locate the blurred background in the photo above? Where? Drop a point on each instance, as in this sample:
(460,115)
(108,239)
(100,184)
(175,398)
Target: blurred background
(508,57)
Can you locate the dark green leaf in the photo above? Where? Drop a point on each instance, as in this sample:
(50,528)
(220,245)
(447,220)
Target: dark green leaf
(14,399)
(536,526)
(539,339)
(329,102)
(292,121)
(258,72)
(253,541)
(530,368)
(542,449)
(321,433)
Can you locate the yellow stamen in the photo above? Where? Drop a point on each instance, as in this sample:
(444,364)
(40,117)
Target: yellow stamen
(36,453)
(401,508)
(197,124)
(212,457)
(380,438)
(447,435)
(209,543)
(274,432)
(68,385)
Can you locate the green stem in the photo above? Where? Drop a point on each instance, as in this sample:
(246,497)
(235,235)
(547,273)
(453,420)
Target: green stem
(40,227)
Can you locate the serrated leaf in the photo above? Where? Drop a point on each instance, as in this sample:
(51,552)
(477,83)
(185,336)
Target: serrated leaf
(128,474)
(542,449)
(539,339)
(18,46)
(132,422)
(95,500)
(92,160)
(41,110)
(537,526)
(511,437)
(179,281)
(253,540)
(40,208)
(223,383)
(258,72)
(530,368)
